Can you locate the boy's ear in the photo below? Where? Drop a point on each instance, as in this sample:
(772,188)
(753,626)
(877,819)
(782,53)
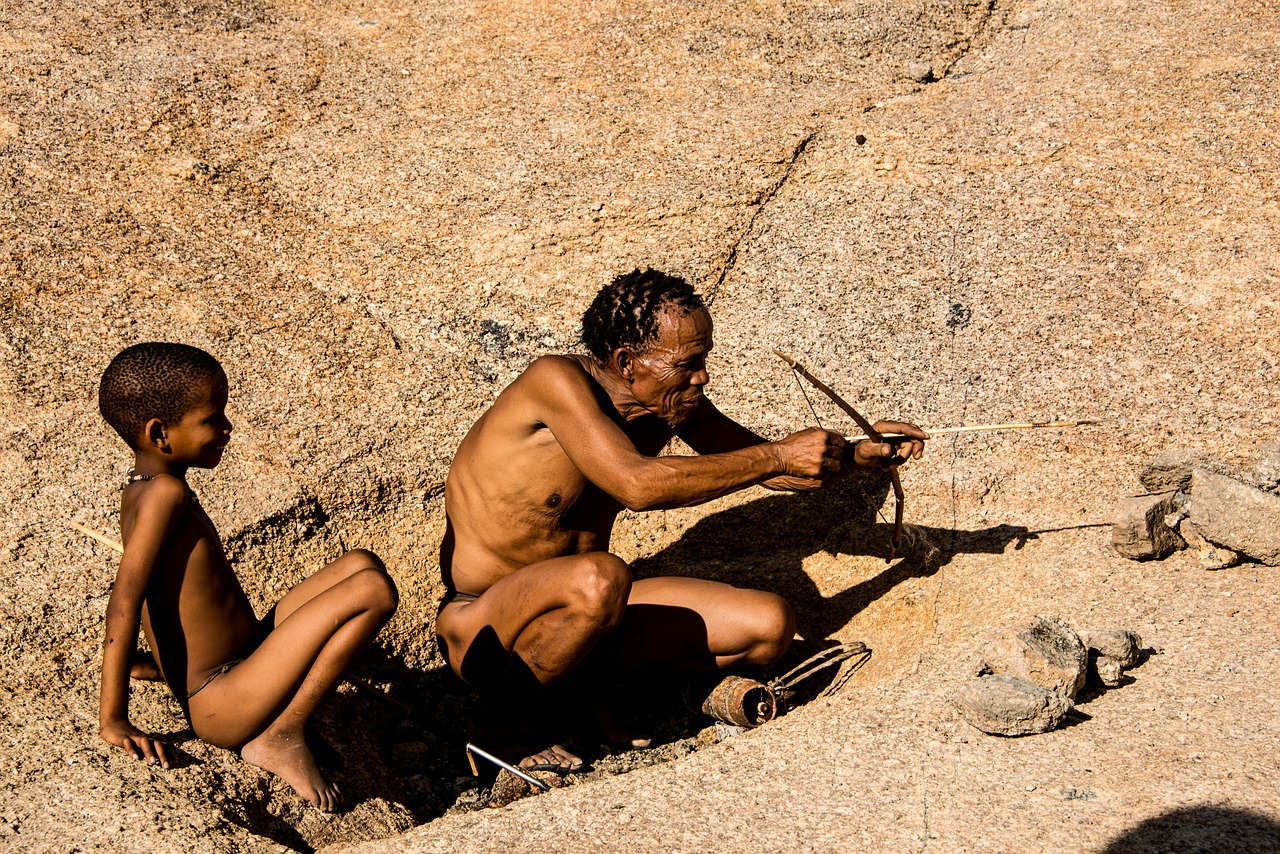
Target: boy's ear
(155,435)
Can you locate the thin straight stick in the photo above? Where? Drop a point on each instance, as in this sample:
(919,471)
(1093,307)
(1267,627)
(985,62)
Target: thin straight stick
(92,534)
(981,428)
(533,781)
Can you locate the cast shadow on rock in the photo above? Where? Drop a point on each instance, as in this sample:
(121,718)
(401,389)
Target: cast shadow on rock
(398,734)
(764,543)
(1195,830)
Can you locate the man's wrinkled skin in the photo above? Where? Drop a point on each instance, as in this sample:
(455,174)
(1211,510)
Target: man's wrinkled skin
(535,488)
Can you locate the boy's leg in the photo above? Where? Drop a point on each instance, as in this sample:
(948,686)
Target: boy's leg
(263,704)
(313,585)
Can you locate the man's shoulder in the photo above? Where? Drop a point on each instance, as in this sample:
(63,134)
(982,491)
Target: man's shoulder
(563,371)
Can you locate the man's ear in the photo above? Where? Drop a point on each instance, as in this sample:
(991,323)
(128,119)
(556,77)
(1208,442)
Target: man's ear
(155,435)
(624,363)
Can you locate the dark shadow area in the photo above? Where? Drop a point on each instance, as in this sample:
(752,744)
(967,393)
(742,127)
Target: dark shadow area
(402,734)
(763,544)
(403,731)
(1201,830)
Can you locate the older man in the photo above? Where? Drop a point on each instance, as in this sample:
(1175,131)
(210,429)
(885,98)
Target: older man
(536,485)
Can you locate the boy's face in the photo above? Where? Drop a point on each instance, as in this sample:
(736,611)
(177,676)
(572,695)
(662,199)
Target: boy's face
(204,431)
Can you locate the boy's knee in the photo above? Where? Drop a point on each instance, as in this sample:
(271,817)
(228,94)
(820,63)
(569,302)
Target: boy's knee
(775,626)
(378,591)
(364,559)
(599,588)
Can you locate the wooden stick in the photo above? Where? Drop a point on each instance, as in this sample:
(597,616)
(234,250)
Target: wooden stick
(980,428)
(360,684)
(92,534)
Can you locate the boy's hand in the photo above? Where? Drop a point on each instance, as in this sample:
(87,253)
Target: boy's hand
(136,743)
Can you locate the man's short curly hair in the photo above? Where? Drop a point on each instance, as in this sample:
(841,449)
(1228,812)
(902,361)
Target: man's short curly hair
(154,380)
(625,312)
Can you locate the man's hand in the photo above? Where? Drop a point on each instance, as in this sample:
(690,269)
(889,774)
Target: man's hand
(893,451)
(813,454)
(135,742)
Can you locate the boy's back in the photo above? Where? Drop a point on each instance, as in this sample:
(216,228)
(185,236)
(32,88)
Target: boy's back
(195,613)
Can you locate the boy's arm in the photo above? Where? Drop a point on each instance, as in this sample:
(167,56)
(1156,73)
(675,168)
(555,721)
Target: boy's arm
(158,510)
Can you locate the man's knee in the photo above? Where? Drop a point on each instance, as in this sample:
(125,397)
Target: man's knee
(598,588)
(774,625)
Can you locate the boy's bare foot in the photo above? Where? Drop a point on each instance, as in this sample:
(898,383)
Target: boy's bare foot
(554,758)
(287,756)
(144,667)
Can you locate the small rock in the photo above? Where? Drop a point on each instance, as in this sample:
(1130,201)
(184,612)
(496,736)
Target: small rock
(1122,645)
(921,72)
(1009,705)
(1233,514)
(1171,468)
(1044,651)
(1212,556)
(1266,471)
(1111,652)
(1138,529)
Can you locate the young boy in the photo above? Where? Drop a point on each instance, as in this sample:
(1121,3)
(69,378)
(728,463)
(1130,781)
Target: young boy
(245,684)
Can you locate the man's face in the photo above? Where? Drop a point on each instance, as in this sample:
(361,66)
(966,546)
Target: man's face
(669,375)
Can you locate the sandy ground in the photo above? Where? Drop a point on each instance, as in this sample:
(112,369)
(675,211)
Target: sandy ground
(376,214)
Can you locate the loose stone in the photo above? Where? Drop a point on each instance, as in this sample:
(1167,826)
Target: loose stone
(1044,651)
(1138,529)
(1236,515)
(1010,705)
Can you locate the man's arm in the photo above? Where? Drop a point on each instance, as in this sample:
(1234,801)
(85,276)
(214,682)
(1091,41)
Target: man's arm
(157,512)
(710,431)
(563,398)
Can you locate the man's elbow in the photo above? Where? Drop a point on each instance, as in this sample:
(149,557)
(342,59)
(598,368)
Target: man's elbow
(641,494)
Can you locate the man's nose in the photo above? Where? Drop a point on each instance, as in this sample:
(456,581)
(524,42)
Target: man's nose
(701,378)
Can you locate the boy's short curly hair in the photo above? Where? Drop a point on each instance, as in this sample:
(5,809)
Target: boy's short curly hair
(154,380)
(625,312)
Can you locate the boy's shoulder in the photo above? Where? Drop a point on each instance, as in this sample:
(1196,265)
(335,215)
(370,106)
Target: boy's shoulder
(156,492)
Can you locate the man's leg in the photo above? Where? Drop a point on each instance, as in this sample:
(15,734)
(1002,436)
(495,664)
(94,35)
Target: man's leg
(698,625)
(262,705)
(543,619)
(532,628)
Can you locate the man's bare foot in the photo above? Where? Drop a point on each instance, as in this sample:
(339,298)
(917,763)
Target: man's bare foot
(287,756)
(619,733)
(554,758)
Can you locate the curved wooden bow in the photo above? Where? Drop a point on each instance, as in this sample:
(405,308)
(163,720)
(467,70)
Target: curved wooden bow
(865,426)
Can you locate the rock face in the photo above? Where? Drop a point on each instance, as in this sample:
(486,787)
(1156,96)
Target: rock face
(1138,529)
(1236,515)
(1045,651)
(1000,704)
